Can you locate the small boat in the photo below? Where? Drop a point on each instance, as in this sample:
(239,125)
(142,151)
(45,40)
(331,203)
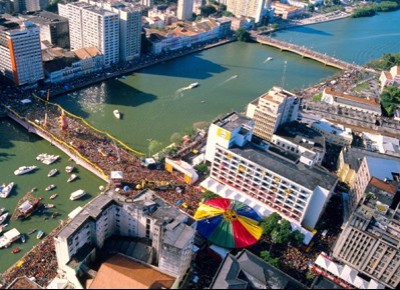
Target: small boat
(33,189)
(3,217)
(77,194)
(23,239)
(2,227)
(54,215)
(69,169)
(16,250)
(269,58)
(2,210)
(203,102)
(72,177)
(193,85)
(31,231)
(41,156)
(5,190)
(52,172)
(39,234)
(50,187)
(24,169)
(50,159)
(49,205)
(117,114)
(123,77)
(53,196)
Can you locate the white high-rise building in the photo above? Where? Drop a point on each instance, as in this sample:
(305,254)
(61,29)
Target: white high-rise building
(246,8)
(93,26)
(36,5)
(185,9)
(20,55)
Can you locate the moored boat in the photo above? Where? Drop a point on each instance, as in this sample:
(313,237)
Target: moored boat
(3,217)
(24,169)
(2,227)
(2,210)
(72,177)
(16,250)
(31,231)
(50,159)
(52,172)
(50,187)
(117,114)
(69,169)
(6,189)
(77,194)
(39,234)
(49,205)
(54,215)
(53,196)
(23,239)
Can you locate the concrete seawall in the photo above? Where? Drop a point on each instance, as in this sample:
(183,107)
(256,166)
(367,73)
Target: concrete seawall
(68,151)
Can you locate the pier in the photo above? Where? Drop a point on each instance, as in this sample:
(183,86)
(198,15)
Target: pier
(308,53)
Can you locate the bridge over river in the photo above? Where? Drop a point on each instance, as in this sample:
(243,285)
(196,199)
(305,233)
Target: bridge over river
(309,53)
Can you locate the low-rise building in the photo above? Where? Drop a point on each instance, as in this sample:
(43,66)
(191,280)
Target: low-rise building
(286,11)
(335,134)
(370,241)
(301,140)
(380,143)
(144,227)
(391,77)
(367,105)
(263,176)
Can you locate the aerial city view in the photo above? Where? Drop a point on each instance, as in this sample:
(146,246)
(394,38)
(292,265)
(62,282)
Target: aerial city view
(199,144)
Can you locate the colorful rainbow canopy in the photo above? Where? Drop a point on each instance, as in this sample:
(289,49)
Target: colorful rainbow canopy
(228,223)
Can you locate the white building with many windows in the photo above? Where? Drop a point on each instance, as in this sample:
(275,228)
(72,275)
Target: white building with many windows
(20,56)
(264,176)
(93,26)
(185,9)
(246,8)
(145,228)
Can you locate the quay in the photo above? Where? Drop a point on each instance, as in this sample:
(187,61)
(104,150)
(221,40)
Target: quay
(307,53)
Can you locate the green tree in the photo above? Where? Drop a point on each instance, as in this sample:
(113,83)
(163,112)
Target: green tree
(390,99)
(296,237)
(209,195)
(242,35)
(207,10)
(266,256)
(201,168)
(270,223)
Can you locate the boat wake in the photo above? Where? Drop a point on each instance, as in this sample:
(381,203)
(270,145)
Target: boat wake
(267,59)
(227,80)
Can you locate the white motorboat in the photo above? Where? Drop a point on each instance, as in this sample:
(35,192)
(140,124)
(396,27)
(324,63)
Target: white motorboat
(6,189)
(53,196)
(24,169)
(77,194)
(193,85)
(52,172)
(50,159)
(23,239)
(117,114)
(49,205)
(3,217)
(50,187)
(39,234)
(69,169)
(2,210)
(72,177)
(41,156)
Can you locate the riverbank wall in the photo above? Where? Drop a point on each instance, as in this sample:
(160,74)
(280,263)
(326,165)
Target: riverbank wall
(63,147)
(162,58)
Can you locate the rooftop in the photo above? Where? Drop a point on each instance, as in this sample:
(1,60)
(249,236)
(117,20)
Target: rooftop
(280,164)
(232,121)
(247,271)
(120,272)
(46,17)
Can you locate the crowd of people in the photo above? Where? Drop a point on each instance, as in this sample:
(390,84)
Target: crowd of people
(40,263)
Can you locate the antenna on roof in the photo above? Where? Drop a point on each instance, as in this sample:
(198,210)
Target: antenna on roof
(283,74)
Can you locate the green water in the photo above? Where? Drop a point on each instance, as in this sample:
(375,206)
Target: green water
(154,108)
(17,148)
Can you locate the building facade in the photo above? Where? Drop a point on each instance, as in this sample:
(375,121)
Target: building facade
(246,8)
(93,26)
(185,9)
(370,241)
(53,28)
(170,231)
(20,56)
(335,134)
(265,177)
(271,110)
(36,5)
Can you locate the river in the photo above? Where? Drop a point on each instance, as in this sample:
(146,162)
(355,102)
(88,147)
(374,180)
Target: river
(155,105)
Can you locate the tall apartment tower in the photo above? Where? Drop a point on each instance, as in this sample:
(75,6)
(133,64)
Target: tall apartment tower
(93,26)
(246,8)
(36,5)
(20,55)
(370,241)
(274,108)
(18,6)
(185,9)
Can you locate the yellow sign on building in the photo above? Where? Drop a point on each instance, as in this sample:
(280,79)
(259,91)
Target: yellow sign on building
(224,134)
